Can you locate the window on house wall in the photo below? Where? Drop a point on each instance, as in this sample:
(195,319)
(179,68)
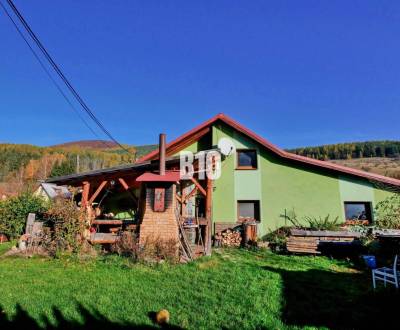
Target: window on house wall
(247,159)
(248,211)
(358,212)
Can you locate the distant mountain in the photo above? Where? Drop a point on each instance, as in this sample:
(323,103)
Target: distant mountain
(89,144)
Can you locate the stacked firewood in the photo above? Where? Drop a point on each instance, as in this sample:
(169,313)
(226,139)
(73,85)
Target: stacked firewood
(229,238)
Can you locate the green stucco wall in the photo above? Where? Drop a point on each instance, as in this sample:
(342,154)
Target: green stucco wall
(287,187)
(380,194)
(281,185)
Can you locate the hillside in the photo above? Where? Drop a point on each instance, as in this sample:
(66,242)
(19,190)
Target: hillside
(103,145)
(351,150)
(380,157)
(379,165)
(21,166)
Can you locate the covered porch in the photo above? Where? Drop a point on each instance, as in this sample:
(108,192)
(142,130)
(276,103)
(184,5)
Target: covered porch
(147,200)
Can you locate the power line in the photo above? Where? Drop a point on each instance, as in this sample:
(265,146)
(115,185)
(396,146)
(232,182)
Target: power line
(62,76)
(49,75)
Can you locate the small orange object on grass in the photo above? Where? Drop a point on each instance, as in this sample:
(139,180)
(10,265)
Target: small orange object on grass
(162,317)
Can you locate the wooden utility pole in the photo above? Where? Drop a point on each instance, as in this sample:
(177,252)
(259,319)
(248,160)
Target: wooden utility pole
(77,163)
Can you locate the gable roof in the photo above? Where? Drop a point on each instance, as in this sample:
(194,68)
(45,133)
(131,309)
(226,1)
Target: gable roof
(197,132)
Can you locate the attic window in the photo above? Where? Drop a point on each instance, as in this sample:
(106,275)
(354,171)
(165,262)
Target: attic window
(246,159)
(358,212)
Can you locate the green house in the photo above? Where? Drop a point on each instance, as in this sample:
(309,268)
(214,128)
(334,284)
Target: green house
(258,181)
(261,181)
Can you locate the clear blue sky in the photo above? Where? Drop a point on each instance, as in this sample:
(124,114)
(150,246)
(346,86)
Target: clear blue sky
(296,72)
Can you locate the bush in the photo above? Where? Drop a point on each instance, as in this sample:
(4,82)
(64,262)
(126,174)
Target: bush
(312,222)
(14,212)
(126,245)
(277,238)
(322,223)
(67,225)
(153,249)
(388,213)
(157,249)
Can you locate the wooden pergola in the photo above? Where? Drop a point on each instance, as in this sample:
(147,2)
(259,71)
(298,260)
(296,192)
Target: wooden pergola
(123,178)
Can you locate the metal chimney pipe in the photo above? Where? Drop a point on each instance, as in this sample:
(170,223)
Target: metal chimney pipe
(162,143)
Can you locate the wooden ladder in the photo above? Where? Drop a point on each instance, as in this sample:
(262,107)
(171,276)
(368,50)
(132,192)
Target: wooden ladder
(184,244)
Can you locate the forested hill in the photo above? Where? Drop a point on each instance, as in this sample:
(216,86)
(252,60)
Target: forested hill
(390,149)
(23,165)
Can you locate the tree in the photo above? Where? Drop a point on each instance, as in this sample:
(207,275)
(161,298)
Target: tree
(388,212)
(64,168)
(14,212)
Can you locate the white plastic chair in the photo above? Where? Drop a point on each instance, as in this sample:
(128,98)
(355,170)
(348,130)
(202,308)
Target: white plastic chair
(387,275)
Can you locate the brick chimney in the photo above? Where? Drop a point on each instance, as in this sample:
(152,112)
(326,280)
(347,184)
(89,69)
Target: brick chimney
(159,220)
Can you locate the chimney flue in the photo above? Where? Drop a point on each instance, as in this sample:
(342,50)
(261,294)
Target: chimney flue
(162,144)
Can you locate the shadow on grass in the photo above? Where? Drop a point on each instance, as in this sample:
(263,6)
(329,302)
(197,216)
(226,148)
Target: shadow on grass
(89,320)
(336,300)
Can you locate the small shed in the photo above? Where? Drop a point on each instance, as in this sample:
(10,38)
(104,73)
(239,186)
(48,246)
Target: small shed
(50,191)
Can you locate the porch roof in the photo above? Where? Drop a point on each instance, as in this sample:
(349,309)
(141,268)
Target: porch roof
(117,171)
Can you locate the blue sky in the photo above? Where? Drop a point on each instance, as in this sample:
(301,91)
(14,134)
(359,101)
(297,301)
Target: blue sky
(296,72)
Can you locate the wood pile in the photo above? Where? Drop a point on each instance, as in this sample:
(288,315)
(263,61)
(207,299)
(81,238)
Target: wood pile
(229,238)
(298,244)
(311,241)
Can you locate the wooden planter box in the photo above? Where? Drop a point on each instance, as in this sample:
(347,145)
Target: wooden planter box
(308,241)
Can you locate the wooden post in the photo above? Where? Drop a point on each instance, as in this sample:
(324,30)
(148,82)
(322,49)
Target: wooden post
(85,194)
(209,216)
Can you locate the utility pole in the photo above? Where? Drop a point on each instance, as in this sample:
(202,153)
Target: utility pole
(77,163)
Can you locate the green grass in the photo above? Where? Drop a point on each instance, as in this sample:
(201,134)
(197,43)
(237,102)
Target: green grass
(233,289)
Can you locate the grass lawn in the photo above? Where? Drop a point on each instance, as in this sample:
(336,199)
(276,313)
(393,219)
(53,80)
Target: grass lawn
(233,289)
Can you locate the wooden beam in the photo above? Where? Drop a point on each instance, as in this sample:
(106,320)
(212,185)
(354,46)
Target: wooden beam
(97,192)
(123,183)
(85,194)
(197,184)
(209,216)
(178,198)
(190,194)
(126,187)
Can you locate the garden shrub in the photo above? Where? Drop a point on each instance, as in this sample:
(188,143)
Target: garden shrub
(154,249)
(67,225)
(157,249)
(277,238)
(14,212)
(312,222)
(126,245)
(387,213)
(322,223)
